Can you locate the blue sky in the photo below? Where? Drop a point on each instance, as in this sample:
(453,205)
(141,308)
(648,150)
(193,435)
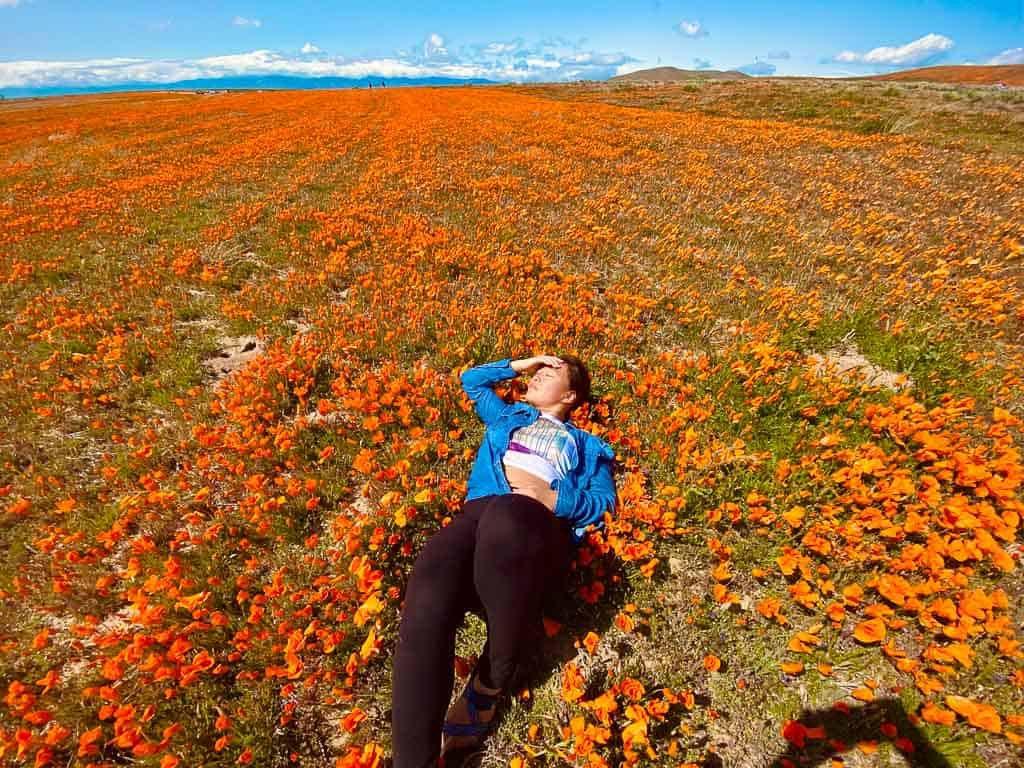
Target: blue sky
(60,42)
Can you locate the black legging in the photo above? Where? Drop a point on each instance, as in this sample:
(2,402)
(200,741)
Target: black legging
(501,554)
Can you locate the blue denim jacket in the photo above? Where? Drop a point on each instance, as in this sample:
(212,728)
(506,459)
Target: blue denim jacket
(586,492)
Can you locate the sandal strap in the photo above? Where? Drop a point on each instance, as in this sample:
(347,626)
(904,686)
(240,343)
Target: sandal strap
(475,703)
(479,701)
(466,729)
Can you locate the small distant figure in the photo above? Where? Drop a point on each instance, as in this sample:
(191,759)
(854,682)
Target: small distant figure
(383,84)
(370,85)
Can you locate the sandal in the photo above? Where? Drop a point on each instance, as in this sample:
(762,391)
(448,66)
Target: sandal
(475,703)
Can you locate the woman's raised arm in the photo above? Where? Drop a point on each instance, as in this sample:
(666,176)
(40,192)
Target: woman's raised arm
(478,382)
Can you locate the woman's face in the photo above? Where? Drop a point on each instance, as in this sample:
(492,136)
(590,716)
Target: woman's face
(548,386)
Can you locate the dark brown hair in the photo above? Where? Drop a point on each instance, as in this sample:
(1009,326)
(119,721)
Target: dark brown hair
(579,380)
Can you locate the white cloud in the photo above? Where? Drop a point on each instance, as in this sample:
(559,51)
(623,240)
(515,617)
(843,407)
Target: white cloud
(625,69)
(242,21)
(540,62)
(915,52)
(1009,56)
(254,60)
(699,63)
(536,62)
(35,74)
(500,49)
(309,48)
(8,3)
(433,47)
(691,29)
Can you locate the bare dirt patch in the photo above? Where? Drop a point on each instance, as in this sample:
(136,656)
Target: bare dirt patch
(848,363)
(234,353)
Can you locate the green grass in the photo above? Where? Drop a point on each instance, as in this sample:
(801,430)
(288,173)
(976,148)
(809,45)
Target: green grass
(861,106)
(930,351)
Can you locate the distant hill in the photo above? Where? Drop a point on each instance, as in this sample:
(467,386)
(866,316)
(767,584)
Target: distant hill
(672,74)
(977,74)
(248,82)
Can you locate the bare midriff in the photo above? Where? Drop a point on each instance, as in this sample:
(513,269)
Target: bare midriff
(528,484)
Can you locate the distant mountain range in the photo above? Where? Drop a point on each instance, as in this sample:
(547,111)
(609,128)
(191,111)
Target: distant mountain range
(247,82)
(672,74)
(976,74)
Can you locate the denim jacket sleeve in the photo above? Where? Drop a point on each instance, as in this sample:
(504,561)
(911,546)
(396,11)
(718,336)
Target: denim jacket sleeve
(477,383)
(587,504)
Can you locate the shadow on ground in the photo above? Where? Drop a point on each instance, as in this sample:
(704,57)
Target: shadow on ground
(819,735)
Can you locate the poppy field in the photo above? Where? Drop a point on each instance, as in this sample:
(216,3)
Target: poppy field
(230,416)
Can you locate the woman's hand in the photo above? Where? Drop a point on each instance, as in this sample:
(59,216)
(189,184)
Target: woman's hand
(528,484)
(531,364)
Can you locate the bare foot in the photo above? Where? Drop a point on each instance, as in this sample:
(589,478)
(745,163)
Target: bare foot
(459,713)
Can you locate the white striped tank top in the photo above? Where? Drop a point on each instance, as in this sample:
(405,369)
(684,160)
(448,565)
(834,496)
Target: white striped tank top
(544,448)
